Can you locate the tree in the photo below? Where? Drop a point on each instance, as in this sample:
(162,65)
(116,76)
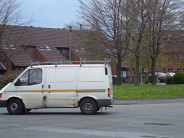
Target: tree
(9,14)
(91,49)
(72,26)
(109,20)
(181,21)
(163,16)
(139,21)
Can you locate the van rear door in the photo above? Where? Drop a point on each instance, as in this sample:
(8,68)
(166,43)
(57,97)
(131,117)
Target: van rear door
(110,81)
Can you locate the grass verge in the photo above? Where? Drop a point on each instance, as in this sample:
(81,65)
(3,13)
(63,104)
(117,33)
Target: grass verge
(143,91)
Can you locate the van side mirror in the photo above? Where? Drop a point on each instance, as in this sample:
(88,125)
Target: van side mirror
(18,82)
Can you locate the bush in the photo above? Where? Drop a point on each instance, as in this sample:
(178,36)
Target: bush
(169,80)
(146,81)
(178,78)
(8,77)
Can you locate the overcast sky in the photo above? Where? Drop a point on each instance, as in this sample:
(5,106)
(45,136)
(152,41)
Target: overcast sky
(50,13)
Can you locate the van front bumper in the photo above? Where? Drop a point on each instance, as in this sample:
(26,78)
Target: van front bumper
(104,102)
(2,103)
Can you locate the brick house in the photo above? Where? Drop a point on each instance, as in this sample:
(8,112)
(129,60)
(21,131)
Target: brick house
(174,61)
(40,44)
(28,44)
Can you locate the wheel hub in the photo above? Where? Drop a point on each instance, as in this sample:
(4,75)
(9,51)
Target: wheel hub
(14,106)
(88,106)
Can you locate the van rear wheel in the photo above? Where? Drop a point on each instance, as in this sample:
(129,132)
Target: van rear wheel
(88,106)
(15,107)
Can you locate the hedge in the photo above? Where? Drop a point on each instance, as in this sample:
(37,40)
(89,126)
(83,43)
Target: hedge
(178,78)
(169,80)
(8,77)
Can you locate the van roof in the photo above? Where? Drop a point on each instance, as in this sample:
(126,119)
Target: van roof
(69,65)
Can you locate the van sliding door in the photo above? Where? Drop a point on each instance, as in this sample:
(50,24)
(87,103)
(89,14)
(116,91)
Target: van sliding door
(61,85)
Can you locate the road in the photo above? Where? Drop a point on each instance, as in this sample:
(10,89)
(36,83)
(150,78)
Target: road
(122,121)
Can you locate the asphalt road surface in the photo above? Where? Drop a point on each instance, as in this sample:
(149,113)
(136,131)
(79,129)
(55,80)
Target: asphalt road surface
(164,120)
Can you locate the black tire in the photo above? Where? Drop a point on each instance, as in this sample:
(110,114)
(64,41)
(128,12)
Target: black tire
(88,106)
(28,110)
(15,107)
(98,108)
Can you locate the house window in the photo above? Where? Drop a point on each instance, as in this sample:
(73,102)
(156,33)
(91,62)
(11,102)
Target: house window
(63,51)
(123,73)
(8,47)
(170,70)
(47,47)
(44,47)
(41,47)
(12,47)
(4,47)
(180,70)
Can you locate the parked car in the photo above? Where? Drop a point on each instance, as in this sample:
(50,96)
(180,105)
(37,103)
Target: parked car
(160,76)
(170,74)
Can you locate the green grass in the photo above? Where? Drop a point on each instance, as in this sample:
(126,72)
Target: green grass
(127,91)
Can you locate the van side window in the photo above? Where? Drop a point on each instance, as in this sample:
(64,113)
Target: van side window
(31,77)
(24,79)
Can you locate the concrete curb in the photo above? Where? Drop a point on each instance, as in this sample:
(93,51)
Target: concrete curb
(149,101)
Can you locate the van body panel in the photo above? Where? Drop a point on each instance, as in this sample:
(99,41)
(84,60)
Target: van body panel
(47,86)
(62,83)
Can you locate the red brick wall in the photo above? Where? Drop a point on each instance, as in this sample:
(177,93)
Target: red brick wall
(129,72)
(174,48)
(8,65)
(173,65)
(113,67)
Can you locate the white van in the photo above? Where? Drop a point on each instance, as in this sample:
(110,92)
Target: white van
(88,86)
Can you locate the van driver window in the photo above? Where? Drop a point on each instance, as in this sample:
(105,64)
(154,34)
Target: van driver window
(31,77)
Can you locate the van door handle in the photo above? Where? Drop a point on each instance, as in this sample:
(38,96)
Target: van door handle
(49,86)
(42,86)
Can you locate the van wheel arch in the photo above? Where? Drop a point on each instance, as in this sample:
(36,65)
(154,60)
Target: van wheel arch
(16,99)
(87,98)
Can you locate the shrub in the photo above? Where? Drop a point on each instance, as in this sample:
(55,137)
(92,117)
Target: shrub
(178,78)
(146,81)
(169,80)
(8,77)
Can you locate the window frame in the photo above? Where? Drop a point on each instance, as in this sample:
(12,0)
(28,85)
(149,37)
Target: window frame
(29,77)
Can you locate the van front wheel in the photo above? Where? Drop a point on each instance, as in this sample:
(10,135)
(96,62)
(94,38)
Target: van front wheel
(15,107)
(88,106)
